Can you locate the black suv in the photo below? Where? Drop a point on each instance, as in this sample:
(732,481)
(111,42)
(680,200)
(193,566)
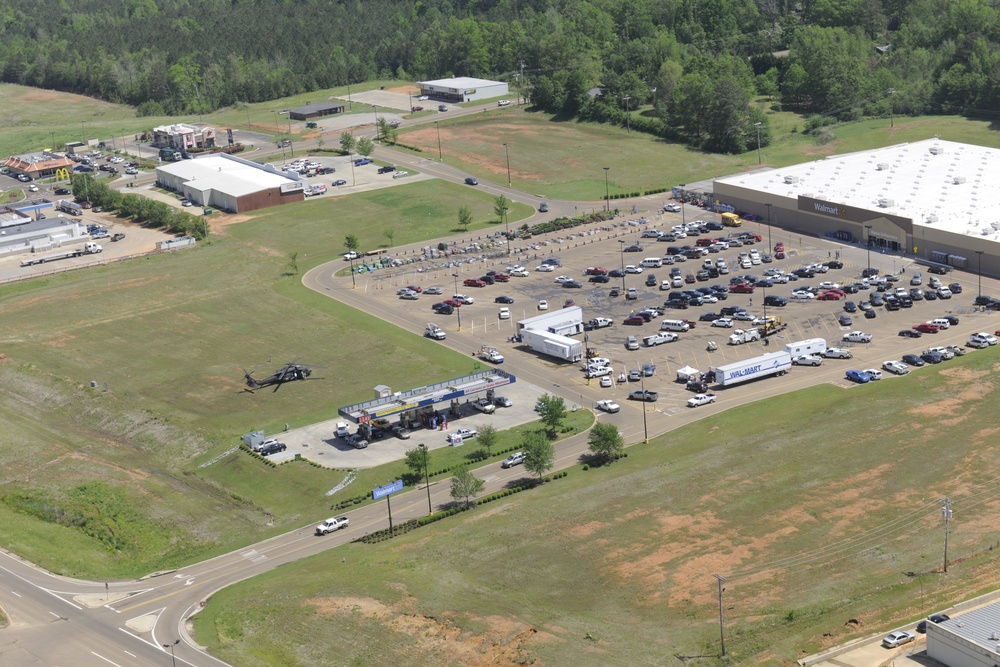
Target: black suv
(386,169)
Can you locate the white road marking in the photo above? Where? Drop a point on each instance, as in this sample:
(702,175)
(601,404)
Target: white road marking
(105,659)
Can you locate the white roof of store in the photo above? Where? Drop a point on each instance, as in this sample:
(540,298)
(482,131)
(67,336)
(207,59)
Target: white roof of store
(232,176)
(935,183)
(461,82)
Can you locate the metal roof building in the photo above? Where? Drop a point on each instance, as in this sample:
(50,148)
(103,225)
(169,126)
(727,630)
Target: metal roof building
(230,183)
(462,89)
(971,640)
(934,199)
(315,110)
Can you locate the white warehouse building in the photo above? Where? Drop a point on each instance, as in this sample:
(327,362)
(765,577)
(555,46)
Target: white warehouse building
(935,200)
(463,89)
(230,183)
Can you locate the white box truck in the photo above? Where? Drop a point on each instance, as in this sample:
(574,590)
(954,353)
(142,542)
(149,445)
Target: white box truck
(772,363)
(552,344)
(808,346)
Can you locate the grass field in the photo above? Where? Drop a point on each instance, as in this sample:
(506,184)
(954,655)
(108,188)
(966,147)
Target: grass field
(780,485)
(171,335)
(34,118)
(555,158)
(807,507)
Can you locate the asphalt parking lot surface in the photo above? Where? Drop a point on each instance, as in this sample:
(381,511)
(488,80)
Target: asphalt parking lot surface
(599,246)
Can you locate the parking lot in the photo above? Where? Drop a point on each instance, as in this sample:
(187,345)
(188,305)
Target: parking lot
(603,245)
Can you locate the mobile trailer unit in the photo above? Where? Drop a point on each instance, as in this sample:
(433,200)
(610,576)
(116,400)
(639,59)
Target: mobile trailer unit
(772,363)
(808,346)
(88,249)
(553,345)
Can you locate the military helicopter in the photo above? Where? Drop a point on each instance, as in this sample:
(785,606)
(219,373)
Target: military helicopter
(288,373)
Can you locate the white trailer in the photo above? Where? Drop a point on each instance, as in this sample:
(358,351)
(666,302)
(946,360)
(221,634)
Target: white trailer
(553,345)
(808,346)
(772,363)
(89,249)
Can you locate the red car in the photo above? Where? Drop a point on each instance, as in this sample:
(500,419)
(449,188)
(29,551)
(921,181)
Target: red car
(416,109)
(779,247)
(742,288)
(415,288)
(501,277)
(704,242)
(473,282)
(453,303)
(828,296)
(756,237)
(779,254)
(595,271)
(635,320)
(926,327)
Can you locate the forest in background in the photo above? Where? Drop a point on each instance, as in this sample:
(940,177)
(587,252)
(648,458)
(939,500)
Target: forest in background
(695,67)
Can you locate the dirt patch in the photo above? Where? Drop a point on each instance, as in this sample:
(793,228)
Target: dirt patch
(502,643)
(405,90)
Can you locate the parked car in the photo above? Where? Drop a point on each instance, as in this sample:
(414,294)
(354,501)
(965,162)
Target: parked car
(898,638)
(463,433)
(936,618)
(896,367)
(643,395)
(272,448)
(608,405)
(913,360)
(807,360)
(860,377)
(837,353)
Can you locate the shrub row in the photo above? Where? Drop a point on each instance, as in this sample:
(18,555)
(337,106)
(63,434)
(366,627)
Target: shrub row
(638,193)
(388,534)
(349,502)
(443,514)
(406,527)
(262,459)
(409,148)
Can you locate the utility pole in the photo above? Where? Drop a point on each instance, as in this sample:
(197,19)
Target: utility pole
(607,193)
(628,116)
(946,514)
(869,244)
(722,633)
(520,76)
(891,91)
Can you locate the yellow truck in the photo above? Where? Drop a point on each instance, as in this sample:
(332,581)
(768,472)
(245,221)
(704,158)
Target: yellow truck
(731,220)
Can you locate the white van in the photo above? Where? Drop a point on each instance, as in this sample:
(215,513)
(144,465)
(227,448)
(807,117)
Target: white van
(674,325)
(651,263)
(941,323)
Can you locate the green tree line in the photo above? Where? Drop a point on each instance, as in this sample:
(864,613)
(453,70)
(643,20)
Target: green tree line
(692,67)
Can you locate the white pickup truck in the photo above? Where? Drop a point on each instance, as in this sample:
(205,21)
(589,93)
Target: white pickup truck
(332,524)
(435,332)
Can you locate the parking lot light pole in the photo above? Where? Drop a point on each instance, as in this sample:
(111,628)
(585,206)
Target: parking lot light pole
(458,309)
(507,153)
(757,125)
(642,381)
(770,248)
(427,479)
(171,647)
(980,253)
(440,158)
(607,193)
(354,282)
(506,228)
(868,242)
(621,254)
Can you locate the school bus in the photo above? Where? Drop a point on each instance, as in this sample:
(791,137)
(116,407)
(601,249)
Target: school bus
(731,220)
